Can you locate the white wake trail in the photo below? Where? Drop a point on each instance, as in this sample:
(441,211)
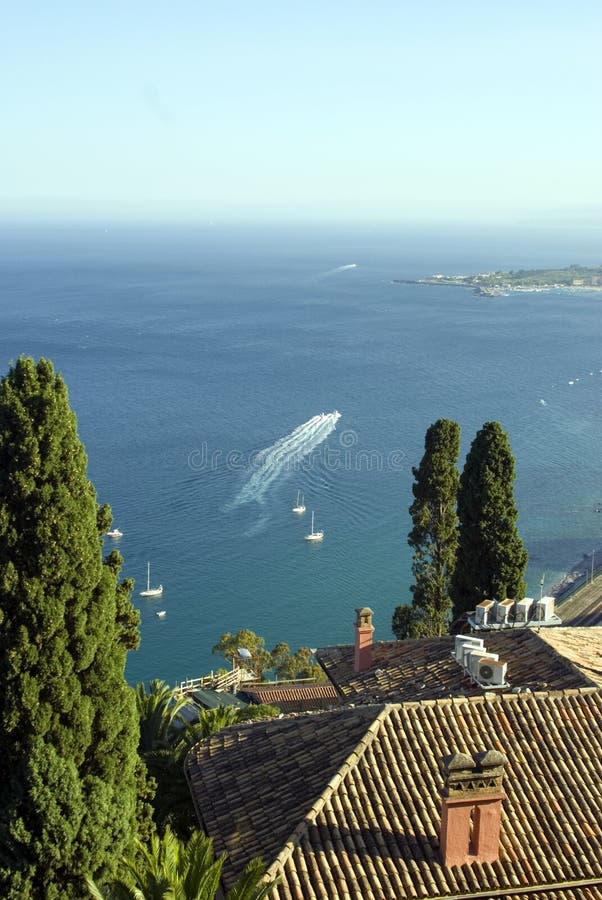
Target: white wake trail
(284,456)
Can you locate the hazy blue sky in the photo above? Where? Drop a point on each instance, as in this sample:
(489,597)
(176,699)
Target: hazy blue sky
(253,109)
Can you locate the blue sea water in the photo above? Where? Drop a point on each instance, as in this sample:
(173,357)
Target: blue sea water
(187,351)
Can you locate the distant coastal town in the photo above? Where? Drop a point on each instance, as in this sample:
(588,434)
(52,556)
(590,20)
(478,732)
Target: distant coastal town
(500,284)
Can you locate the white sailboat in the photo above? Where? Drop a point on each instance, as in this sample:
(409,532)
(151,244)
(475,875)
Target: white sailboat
(314,535)
(151,592)
(300,507)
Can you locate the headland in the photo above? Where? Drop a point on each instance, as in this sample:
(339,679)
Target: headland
(500,284)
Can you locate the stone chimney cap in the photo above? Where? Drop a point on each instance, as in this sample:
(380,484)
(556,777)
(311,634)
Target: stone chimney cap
(457,762)
(489,759)
(364,611)
(478,774)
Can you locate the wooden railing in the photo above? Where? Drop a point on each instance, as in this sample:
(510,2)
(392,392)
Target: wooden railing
(232,681)
(217,681)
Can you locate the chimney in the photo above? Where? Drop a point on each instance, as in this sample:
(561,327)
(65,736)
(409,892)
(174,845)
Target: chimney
(364,629)
(472,808)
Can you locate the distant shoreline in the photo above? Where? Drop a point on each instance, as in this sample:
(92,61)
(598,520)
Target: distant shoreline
(501,284)
(501,290)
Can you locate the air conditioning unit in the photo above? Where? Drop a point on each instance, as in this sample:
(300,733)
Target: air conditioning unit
(480,659)
(503,610)
(483,612)
(522,609)
(492,672)
(465,643)
(469,650)
(544,609)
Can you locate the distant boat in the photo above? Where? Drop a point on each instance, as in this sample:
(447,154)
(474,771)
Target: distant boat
(151,592)
(300,507)
(115,533)
(161,613)
(314,535)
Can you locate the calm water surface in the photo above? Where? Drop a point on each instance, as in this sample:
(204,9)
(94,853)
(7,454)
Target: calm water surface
(187,352)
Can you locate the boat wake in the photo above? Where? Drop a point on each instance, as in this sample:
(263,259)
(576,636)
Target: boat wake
(334,271)
(284,457)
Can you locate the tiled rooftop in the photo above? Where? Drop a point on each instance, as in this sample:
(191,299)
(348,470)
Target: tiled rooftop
(295,697)
(580,646)
(346,804)
(425,668)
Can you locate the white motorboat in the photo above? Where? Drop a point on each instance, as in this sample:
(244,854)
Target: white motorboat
(314,535)
(115,533)
(151,592)
(160,613)
(300,507)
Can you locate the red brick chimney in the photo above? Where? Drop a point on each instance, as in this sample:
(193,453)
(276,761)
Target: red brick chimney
(364,629)
(472,808)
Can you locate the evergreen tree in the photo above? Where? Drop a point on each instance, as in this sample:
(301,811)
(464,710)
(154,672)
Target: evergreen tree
(434,536)
(68,725)
(404,624)
(491,558)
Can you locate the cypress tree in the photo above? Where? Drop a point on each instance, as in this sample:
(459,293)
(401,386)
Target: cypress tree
(434,536)
(68,723)
(491,558)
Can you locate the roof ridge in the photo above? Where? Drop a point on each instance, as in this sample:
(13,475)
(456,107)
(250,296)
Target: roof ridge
(351,760)
(488,696)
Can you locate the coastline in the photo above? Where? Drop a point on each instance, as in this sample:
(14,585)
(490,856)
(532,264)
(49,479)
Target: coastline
(577,576)
(502,290)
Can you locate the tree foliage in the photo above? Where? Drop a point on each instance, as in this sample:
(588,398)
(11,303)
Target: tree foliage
(167,736)
(434,535)
(229,645)
(282,661)
(404,624)
(182,870)
(491,558)
(68,729)
(301,664)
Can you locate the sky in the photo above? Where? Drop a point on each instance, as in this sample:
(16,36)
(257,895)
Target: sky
(300,111)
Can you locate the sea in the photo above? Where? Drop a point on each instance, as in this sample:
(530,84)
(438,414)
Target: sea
(206,364)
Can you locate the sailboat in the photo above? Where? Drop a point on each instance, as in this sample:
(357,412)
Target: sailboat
(151,592)
(314,535)
(300,507)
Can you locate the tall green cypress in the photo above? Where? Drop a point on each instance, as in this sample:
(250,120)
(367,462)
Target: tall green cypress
(491,558)
(434,536)
(68,724)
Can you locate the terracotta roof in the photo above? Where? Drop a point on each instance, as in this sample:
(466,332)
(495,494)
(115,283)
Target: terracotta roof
(295,697)
(251,783)
(582,647)
(425,668)
(347,803)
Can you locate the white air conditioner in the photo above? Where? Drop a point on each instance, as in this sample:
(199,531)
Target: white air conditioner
(464,643)
(483,612)
(502,611)
(469,650)
(544,609)
(522,608)
(492,672)
(479,659)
